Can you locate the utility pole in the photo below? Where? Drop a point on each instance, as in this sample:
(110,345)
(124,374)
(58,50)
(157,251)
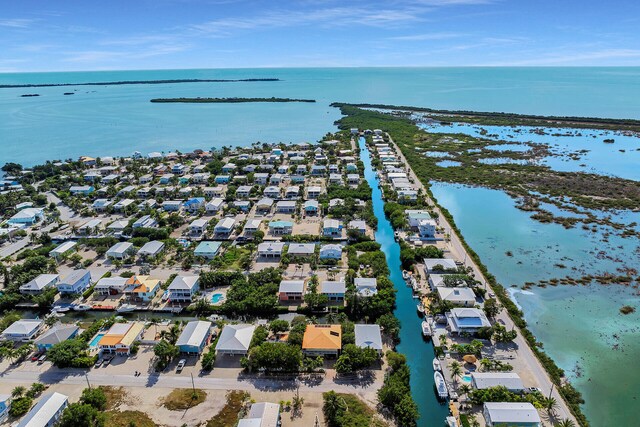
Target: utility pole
(193,384)
(87,378)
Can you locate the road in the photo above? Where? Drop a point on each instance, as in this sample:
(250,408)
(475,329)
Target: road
(523,352)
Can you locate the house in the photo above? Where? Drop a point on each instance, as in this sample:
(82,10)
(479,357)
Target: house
(39,284)
(222,179)
(207,249)
(250,227)
(369,336)
(84,190)
(313,192)
(286,206)
(415,216)
(244,191)
(366,286)
(194,204)
(280,228)
(92,176)
(110,286)
(509,380)
(301,249)
(74,283)
(100,205)
(261,178)
(243,205)
(143,193)
(459,296)
(90,227)
(121,250)
(122,205)
(334,290)
(151,249)
(440,265)
(357,225)
(264,205)
(235,339)
(142,288)
(301,169)
(407,195)
(353,179)
(62,249)
(229,168)
(23,330)
(311,207)
(46,412)
(322,340)
(200,177)
(291,290)
(276,179)
(466,320)
(333,169)
(225,226)
(110,179)
(214,191)
(292,192)
(214,205)
(5,405)
(262,414)
(296,179)
(194,337)
(335,178)
(145,179)
(171,205)
(272,192)
(352,167)
(120,337)
(318,170)
(145,221)
(183,288)
(510,414)
(330,252)
(332,228)
(198,226)
(178,169)
(55,335)
(117,226)
(427,229)
(27,216)
(270,249)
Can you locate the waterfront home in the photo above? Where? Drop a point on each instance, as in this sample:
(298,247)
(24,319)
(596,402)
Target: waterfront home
(142,288)
(207,249)
(92,176)
(509,380)
(440,265)
(84,190)
(121,250)
(291,290)
(366,286)
(262,414)
(244,191)
(55,335)
(229,168)
(280,228)
(369,336)
(110,286)
(357,225)
(264,205)
(311,207)
(214,191)
(222,179)
(101,205)
(225,227)
(198,226)
(405,196)
(322,340)
(335,178)
(332,228)
(215,205)
(243,205)
(151,249)
(466,320)
(194,204)
(415,216)
(194,337)
(286,206)
(145,221)
(46,412)
(461,296)
(74,282)
(171,205)
(122,205)
(183,288)
(39,284)
(313,192)
(154,155)
(23,330)
(235,339)
(166,178)
(120,337)
(270,250)
(353,179)
(292,192)
(272,192)
(250,227)
(427,229)
(503,414)
(301,249)
(28,216)
(334,290)
(178,169)
(5,405)
(261,178)
(330,251)
(62,250)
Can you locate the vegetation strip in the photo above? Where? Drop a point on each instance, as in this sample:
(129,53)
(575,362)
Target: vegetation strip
(139,82)
(227,100)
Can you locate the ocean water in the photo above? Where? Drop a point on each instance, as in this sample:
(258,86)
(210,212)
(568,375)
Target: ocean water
(117,120)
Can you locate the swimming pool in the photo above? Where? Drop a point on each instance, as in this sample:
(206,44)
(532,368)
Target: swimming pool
(216,298)
(94,342)
(466,378)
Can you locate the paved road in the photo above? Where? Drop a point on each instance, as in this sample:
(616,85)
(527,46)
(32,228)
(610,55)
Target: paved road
(66,213)
(524,352)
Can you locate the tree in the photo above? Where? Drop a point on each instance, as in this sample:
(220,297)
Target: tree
(456,371)
(406,411)
(165,352)
(550,404)
(279,325)
(20,406)
(491,308)
(390,325)
(565,423)
(70,353)
(18,391)
(94,397)
(333,407)
(396,360)
(208,360)
(274,356)
(36,389)
(81,414)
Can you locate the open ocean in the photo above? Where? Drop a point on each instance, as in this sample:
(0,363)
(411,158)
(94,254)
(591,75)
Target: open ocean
(579,326)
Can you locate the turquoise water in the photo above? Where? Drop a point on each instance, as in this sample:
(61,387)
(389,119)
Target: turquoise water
(448,163)
(116,120)
(94,342)
(216,298)
(580,326)
(418,351)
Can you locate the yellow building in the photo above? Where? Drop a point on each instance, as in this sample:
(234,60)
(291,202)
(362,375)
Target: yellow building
(119,338)
(322,340)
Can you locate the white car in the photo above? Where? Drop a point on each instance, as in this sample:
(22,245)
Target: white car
(181,364)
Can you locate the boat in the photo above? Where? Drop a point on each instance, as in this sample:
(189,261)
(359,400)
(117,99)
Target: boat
(61,309)
(126,308)
(437,367)
(451,421)
(405,274)
(82,307)
(420,309)
(426,329)
(441,385)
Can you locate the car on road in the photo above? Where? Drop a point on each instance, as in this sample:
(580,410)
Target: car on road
(181,364)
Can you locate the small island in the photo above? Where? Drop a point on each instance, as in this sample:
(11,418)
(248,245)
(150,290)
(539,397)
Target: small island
(137,82)
(229,100)
(29,95)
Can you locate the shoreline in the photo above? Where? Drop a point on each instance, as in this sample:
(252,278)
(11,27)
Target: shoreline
(225,100)
(137,82)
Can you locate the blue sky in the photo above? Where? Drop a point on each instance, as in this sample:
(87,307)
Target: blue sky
(45,35)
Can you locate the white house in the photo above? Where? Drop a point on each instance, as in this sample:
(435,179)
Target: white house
(272,192)
(270,249)
(23,330)
(286,206)
(459,296)
(27,216)
(39,284)
(151,249)
(145,221)
(510,380)
(439,265)
(414,217)
(235,339)
(183,288)
(62,249)
(427,229)
(503,414)
(110,286)
(198,226)
(466,320)
(366,286)
(369,336)
(46,412)
(301,249)
(74,283)
(244,191)
(330,252)
(121,250)
(250,227)
(214,205)
(171,205)
(262,414)
(225,226)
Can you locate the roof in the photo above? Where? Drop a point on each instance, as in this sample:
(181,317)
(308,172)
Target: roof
(512,412)
(331,247)
(208,247)
(235,338)
(510,380)
(301,248)
(39,282)
(332,287)
(120,247)
(279,224)
(23,327)
(331,223)
(200,222)
(111,282)
(267,414)
(57,334)
(368,336)
(27,213)
(121,333)
(322,337)
(64,247)
(226,223)
(41,414)
(460,294)
(271,247)
(291,286)
(183,282)
(445,262)
(151,247)
(194,333)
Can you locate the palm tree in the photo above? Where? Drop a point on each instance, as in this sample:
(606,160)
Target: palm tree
(18,391)
(565,423)
(485,364)
(443,339)
(456,371)
(550,404)
(465,389)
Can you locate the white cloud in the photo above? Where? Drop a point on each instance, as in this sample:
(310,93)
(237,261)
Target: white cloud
(17,22)
(428,36)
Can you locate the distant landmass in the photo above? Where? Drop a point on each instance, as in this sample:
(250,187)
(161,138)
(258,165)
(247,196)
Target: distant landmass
(139,82)
(229,100)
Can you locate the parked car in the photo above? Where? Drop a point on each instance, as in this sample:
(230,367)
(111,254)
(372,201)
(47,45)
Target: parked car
(107,360)
(41,359)
(98,363)
(36,355)
(534,390)
(181,364)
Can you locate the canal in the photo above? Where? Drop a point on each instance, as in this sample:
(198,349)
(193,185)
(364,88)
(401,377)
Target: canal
(419,352)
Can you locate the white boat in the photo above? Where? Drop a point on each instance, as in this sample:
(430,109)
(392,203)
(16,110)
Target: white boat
(63,309)
(451,421)
(420,308)
(441,385)
(126,308)
(82,307)
(437,367)
(426,329)
(405,274)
